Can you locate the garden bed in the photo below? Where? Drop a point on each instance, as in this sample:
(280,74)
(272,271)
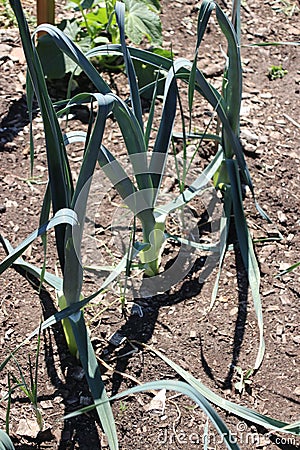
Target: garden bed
(176,323)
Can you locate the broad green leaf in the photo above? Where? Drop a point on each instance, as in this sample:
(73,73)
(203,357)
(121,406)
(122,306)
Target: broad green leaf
(140,21)
(73,51)
(152,4)
(54,63)
(97,19)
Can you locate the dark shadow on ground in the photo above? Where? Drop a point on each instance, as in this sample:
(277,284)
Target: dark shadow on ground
(141,329)
(14,121)
(239,331)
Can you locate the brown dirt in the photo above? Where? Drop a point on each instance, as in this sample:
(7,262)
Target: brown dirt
(209,346)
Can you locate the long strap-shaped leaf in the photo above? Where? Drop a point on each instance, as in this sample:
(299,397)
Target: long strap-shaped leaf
(233,74)
(164,135)
(205,11)
(144,56)
(233,408)
(131,131)
(49,278)
(73,272)
(247,252)
(134,91)
(121,181)
(94,379)
(224,231)
(236,18)
(183,388)
(195,188)
(63,216)
(59,170)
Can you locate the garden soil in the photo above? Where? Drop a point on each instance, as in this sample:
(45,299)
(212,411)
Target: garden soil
(209,344)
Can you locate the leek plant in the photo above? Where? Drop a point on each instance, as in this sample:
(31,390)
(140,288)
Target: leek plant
(68,200)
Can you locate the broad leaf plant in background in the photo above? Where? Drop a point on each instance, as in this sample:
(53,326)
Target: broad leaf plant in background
(66,200)
(94,23)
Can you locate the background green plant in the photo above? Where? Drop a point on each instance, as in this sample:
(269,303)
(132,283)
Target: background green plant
(94,23)
(289,8)
(276,72)
(7,17)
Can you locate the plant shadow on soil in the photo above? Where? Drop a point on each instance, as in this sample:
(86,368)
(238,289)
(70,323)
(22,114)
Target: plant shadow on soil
(14,121)
(140,329)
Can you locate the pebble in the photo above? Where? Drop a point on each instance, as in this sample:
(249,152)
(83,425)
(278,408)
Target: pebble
(297,391)
(296,339)
(11,204)
(4,50)
(252,138)
(46,404)
(29,428)
(266,95)
(284,266)
(233,311)
(281,217)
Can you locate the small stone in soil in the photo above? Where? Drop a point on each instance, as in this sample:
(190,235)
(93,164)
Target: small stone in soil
(296,339)
(297,391)
(28,428)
